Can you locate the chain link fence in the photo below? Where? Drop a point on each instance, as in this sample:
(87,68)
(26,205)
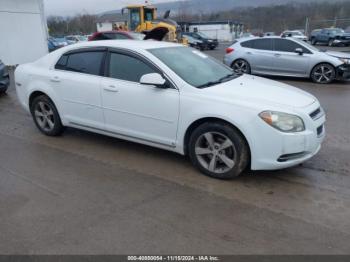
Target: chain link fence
(343,23)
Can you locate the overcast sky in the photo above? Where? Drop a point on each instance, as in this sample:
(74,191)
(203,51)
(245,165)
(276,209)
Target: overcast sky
(71,7)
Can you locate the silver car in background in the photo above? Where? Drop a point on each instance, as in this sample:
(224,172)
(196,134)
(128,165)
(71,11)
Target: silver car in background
(287,57)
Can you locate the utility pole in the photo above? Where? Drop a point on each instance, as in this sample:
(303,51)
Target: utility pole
(307,22)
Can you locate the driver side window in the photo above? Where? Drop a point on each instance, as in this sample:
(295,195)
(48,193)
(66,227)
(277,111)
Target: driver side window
(285,45)
(129,68)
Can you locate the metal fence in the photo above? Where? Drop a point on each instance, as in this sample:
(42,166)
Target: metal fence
(343,23)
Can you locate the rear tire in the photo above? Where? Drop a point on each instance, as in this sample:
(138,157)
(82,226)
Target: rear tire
(218,150)
(45,116)
(241,66)
(313,41)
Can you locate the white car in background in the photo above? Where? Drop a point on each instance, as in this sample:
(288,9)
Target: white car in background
(175,98)
(295,34)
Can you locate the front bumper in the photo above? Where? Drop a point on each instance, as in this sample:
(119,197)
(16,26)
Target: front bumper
(213,44)
(342,41)
(273,149)
(343,72)
(4,80)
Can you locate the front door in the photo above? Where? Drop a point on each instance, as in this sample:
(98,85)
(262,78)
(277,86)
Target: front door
(135,110)
(287,62)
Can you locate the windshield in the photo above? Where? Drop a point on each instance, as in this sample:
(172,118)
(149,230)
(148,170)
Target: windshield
(194,67)
(337,31)
(202,35)
(82,38)
(60,40)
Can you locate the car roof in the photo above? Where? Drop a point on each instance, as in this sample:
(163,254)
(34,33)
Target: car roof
(129,44)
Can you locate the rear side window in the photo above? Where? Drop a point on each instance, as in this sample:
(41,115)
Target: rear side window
(260,44)
(284,45)
(82,62)
(247,44)
(128,68)
(61,64)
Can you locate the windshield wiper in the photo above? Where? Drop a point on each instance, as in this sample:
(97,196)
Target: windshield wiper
(221,80)
(211,83)
(227,77)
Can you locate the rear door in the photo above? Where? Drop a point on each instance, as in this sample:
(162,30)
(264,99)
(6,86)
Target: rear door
(286,61)
(76,79)
(259,54)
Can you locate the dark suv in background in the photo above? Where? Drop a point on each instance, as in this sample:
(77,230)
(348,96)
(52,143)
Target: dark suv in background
(331,37)
(4,78)
(209,43)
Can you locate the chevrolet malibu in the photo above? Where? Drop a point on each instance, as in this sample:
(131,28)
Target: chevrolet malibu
(175,98)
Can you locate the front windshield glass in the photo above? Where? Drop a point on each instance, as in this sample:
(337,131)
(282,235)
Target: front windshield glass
(82,38)
(194,67)
(337,31)
(202,35)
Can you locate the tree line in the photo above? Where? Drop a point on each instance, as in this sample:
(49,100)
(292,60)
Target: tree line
(276,18)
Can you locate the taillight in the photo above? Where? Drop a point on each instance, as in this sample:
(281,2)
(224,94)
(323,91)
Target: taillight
(229,50)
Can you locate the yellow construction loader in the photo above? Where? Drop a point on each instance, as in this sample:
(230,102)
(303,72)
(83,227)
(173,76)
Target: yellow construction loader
(143,19)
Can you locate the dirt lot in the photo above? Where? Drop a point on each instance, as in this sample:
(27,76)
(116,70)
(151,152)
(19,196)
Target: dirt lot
(84,193)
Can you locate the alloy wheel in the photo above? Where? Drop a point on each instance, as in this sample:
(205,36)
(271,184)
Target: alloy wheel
(240,67)
(44,115)
(216,152)
(323,73)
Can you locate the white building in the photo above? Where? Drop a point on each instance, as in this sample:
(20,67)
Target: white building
(23,31)
(110,21)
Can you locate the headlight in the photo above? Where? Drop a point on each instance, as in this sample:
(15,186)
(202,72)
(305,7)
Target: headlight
(345,60)
(282,121)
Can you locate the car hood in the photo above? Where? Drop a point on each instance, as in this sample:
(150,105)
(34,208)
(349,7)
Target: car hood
(344,34)
(260,90)
(338,54)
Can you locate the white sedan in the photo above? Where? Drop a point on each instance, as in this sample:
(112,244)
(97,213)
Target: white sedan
(175,98)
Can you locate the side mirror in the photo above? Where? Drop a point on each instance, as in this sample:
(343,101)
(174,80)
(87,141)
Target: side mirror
(153,79)
(299,51)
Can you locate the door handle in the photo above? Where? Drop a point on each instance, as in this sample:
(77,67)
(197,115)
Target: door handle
(55,79)
(277,55)
(249,53)
(111,88)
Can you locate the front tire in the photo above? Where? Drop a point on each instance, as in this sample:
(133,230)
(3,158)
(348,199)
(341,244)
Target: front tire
(330,42)
(45,116)
(313,41)
(218,150)
(3,89)
(323,73)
